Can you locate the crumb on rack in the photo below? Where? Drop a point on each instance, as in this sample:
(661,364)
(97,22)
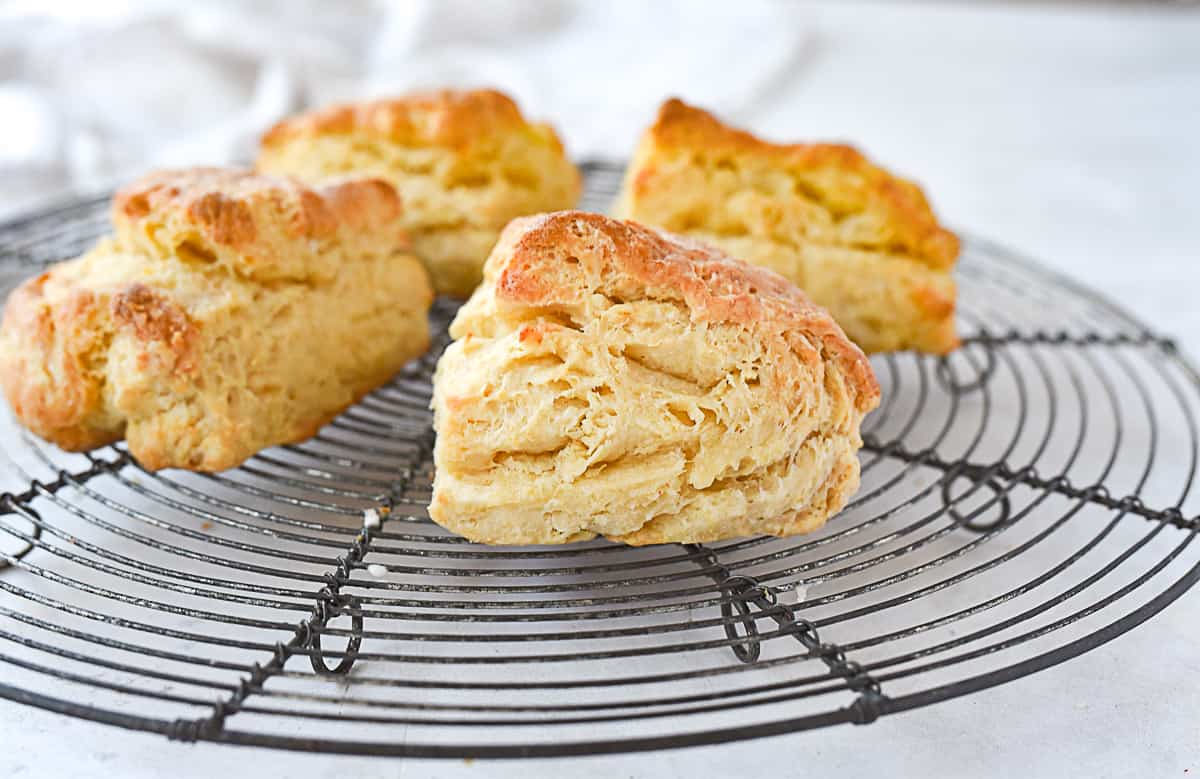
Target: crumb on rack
(794,596)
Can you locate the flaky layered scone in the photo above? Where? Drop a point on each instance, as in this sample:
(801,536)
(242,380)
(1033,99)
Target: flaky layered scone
(228,313)
(465,162)
(859,241)
(608,379)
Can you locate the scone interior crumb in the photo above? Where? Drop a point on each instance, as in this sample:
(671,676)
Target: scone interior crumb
(859,240)
(229,313)
(609,380)
(465,162)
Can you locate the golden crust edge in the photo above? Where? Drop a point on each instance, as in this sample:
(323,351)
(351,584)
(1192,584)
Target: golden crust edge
(679,125)
(460,117)
(761,298)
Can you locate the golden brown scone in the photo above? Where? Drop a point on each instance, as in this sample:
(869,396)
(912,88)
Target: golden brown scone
(465,162)
(859,241)
(229,312)
(608,379)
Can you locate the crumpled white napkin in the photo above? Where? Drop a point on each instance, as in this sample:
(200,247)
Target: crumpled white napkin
(91,96)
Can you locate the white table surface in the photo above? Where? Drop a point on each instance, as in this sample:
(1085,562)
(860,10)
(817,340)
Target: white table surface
(1069,132)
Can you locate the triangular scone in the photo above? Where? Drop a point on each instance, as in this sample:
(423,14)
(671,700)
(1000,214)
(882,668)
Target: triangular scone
(608,379)
(465,162)
(229,312)
(859,241)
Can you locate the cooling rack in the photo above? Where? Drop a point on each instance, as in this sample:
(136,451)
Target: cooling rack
(1024,501)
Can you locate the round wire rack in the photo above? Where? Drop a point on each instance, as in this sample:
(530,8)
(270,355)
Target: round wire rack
(1024,501)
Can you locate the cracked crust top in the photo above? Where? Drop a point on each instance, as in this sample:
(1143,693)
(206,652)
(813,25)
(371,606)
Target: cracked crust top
(525,269)
(843,178)
(231,312)
(609,379)
(451,118)
(266,228)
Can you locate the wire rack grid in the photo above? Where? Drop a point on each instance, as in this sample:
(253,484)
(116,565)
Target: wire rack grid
(1024,501)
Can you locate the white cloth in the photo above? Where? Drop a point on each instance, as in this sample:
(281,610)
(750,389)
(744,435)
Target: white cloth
(92,99)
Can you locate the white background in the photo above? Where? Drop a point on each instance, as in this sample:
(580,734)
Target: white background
(1070,132)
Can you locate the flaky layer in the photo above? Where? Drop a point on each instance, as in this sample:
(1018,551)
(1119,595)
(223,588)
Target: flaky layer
(608,380)
(884,303)
(860,241)
(200,363)
(466,162)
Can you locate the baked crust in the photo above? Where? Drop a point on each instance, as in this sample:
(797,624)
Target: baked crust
(714,286)
(230,312)
(263,228)
(465,161)
(862,242)
(456,119)
(611,379)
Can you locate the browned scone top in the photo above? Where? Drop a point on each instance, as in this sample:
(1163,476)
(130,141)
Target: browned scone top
(861,242)
(465,162)
(609,379)
(228,313)
(714,286)
(446,117)
(839,176)
(258,226)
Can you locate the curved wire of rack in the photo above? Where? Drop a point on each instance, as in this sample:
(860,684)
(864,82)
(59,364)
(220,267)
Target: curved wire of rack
(1024,501)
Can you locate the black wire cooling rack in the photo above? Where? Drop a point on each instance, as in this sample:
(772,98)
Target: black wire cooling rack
(1024,501)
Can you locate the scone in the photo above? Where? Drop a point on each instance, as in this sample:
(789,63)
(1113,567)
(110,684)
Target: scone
(608,379)
(229,312)
(858,240)
(465,162)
